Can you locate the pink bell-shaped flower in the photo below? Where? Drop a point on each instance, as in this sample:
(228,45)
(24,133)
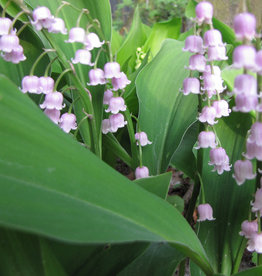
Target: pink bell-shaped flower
(9,43)
(142,139)
(213,84)
(208,115)
(197,62)
(96,76)
(213,38)
(257,204)
(68,122)
(141,172)
(245,103)
(191,85)
(107,96)
(82,56)
(30,84)
(112,70)
(246,84)
(206,139)
(205,212)
(116,104)
(248,228)
(219,159)
(208,71)
(244,57)
(106,126)
(116,121)
(42,18)
(194,44)
(256,134)
(243,170)
(121,82)
(15,56)
(245,26)
(53,100)
(222,108)
(57,26)
(255,243)
(216,53)
(92,41)
(204,12)
(46,85)
(251,149)
(5,24)
(76,34)
(53,115)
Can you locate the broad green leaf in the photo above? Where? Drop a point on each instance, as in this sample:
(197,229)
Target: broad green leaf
(227,33)
(165,113)
(183,158)
(157,185)
(65,192)
(117,40)
(190,9)
(51,265)
(161,31)
(20,254)
(135,38)
(230,202)
(254,271)
(177,202)
(158,259)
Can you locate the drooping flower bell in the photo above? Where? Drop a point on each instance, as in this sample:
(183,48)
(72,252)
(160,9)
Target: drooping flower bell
(112,70)
(213,38)
(255,243)
(96,76)
(53,115)
(15,56)
(5,24)
(251,150)
(222,109)
(248,228)
(257,204)
(245,103)
(206,139)
(219,159)
(57,26)
(76,34)
(116,121)
(53,100)
(244,57)
(121,82)
(246,84)
(92,41)
(68,122)
(194,44)
(9,43)
(191,85)
(106,126)
(245,26)
(30,84)
(46,85)
(42,18)
(107,96)
(255,135)
(141,172)
(208,115)
(197,62)
(258,61)
(216,53)
(204,12)
(213,84)
(83,56)
(243,170)
(205,212)
(115,105)
(142,139)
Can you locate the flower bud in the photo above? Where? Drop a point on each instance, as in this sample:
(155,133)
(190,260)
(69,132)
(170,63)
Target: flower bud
(141,172)
(205,212)
(204,12)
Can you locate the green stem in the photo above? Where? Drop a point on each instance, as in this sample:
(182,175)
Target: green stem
(239,255)
(83,11)
(15,19)
(97,57)
(22,28)
(64,3)
(46,51)
(61,76)
(182,268)
(203,199)
(49,66)
(5,7)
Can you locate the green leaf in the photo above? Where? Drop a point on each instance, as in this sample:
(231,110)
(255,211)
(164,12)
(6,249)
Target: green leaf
(157,185)
(53,186)
(51,265)
(165,113)
(177,202)
(20,254)
(190,9)
(117,40)
(254,271)
(227,33)
(230,202)
(160,32)
(158,259)
(136,38)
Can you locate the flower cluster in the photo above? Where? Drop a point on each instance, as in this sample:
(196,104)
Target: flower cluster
(10,48)
(205,51)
